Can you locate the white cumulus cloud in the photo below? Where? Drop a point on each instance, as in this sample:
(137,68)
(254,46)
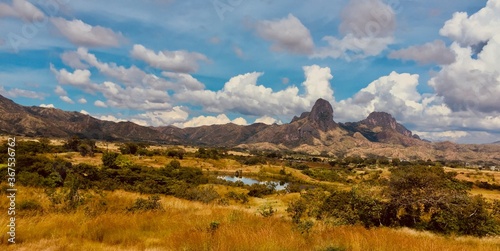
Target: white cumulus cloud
(429,53)
(67,99)
(267,120)
(83,34)
(368,27)
(177,61)
(242,94)
(99,103)
(287,34)
(220,119)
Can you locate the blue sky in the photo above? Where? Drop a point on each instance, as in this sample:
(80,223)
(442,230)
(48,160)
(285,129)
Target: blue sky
(431,64)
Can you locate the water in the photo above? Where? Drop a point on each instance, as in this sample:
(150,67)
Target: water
(250,181)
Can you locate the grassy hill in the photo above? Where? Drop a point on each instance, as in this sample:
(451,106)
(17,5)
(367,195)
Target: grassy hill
(122,207)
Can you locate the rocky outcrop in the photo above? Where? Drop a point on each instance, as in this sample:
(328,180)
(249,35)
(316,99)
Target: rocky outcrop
(321,116)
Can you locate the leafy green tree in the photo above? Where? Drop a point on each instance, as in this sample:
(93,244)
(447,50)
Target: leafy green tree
(109,159)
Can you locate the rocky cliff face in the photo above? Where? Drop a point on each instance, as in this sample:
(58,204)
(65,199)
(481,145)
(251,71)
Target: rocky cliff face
(321,116)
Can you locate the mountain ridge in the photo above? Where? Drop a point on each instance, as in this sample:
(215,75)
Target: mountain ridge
(314,132)
(311,128)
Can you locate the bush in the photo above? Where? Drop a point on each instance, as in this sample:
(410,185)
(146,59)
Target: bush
(259,190)
(30,205)
(202,194)
(242,197)
(109,159)
(151,204)
(266,210)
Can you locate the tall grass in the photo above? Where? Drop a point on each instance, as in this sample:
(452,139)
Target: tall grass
(185,225)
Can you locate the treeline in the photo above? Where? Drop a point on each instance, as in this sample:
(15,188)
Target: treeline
(419,197)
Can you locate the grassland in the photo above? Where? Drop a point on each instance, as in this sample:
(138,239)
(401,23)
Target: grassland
(104,222)
(185,225)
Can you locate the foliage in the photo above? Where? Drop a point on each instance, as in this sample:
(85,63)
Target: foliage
(176,152)
(202,194)
(242,197)
(109,159)
(259,190)
(428,198)
(208,153)
(152,203)
(266,210)
(83,146)
(326,174)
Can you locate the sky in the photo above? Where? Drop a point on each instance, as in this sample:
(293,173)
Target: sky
(433,65)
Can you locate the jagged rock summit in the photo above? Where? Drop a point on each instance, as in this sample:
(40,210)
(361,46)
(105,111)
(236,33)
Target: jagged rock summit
(385,121)
(321,115)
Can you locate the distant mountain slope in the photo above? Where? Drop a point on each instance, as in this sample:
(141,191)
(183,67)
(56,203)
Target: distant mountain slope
(315,128)
(51,122)
(382,127)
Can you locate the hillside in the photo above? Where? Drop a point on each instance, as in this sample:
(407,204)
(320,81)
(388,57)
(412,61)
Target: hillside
(313,132)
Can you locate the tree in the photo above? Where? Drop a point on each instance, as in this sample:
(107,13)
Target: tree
(426,197)
(109,159)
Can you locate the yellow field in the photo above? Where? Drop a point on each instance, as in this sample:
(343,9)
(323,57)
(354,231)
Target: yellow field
(185,225)
(188,225)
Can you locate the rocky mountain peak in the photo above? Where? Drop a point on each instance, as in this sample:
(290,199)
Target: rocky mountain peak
(386,121)
(381,119)
(322,115)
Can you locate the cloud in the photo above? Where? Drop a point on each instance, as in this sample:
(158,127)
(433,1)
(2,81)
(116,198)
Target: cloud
(267,120)
(475,29)
(110,118)
(177,61)
(221,119)
(78,78)
(161,118)
(131,76)
(183,81)
(134,90)
(285,81)
(396,94)
(368,27)
(72,59)
(83,34)
(243,95)
(472,82)
(157,118)
(84,112)
(287,34)
(22,9)
(214,40)
(60,91)
(238,51)
(134,97)
(82,101)
(99,103)
(67,99)
(16,92)
(47,106)
(434,52)
(239,121)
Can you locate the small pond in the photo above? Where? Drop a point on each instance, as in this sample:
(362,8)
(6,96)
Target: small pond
(280,185)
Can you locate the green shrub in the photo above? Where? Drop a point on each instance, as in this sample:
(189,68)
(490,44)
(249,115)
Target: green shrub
(151,204)
(266,210)
(30,205)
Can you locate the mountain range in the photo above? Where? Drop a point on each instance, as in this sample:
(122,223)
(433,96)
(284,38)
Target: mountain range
(312,132)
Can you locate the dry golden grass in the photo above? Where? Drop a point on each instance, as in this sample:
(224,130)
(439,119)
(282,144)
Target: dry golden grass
(488,194)
(185,225)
